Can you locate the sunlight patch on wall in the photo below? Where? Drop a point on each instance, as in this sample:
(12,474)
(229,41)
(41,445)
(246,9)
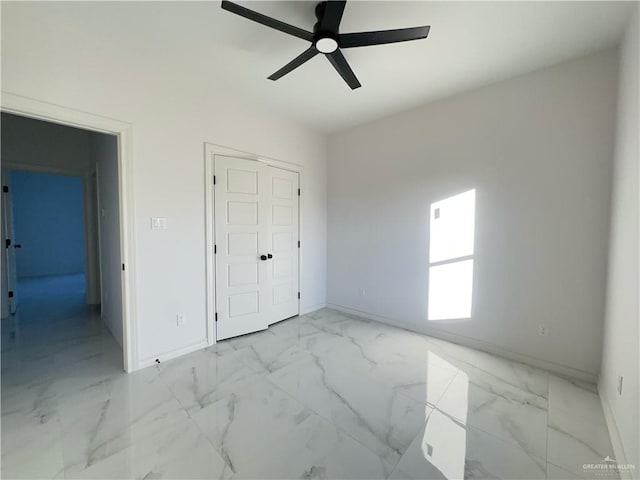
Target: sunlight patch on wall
(451,248)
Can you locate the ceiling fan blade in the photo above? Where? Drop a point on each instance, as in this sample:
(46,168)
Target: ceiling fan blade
(340,63)
(364,39)
(332,16)
(268,21)
(295,63)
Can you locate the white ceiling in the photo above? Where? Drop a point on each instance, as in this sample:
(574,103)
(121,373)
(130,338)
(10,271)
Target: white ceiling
(470,44)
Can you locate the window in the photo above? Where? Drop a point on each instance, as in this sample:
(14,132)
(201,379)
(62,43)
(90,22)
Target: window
(451,248)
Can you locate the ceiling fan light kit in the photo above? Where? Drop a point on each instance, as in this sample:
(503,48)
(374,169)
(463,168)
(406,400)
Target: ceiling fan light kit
(326,45)
(326,37)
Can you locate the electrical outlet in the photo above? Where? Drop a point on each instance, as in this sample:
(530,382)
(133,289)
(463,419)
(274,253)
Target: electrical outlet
(180,319)
(543,330)
(620,384)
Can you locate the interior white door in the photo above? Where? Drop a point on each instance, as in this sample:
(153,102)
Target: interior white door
(256,242)
(242,234)
(283,239)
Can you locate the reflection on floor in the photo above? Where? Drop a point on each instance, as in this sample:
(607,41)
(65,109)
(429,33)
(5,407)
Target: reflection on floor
(323,395)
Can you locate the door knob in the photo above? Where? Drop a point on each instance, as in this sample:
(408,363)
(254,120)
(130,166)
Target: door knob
(263,257)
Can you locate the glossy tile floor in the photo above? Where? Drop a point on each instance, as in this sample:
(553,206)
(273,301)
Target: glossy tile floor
(323,395)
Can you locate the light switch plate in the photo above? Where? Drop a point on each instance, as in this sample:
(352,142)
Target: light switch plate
(158,223)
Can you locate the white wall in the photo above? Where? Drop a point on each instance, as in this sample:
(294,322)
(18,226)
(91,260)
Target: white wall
(621,342)
(48,222)
(104,152)
(538,149)
(32,144)
(81,55)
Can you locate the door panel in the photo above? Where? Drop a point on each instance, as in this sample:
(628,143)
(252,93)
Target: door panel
(256,214)
(242,243)
(242,181)
(283,239)
(243,274)
(241,235)
(242,213)
(243,304)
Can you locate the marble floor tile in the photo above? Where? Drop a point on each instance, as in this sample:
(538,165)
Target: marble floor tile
(31,445)
(557,473)
(370,412)
(325,395)
(325,316)
(402,360)
(269,350)
(419,374)
(294,331)
(174,448)
(204,376)
(262,432)
(577,432)
(325,343)
(513,420)
(445,448)
(31,431)
(511,376)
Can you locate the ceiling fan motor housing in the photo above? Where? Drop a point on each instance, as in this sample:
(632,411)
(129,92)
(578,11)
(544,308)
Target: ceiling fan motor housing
(326,37)
(325,41)
(320,11)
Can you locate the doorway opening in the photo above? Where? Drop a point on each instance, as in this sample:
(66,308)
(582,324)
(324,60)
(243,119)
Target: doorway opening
(62,264)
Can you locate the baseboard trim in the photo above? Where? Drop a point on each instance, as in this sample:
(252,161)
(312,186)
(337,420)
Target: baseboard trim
(614,434)
(312,308)
(481,345)
(147,362)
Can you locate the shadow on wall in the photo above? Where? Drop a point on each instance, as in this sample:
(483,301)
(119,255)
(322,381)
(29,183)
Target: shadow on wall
(48,216)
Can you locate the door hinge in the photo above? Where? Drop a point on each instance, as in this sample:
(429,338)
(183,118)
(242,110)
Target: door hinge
(5,189)
(214,179)
(298,295)
(216,316)
(215,249)
(123,267)
(7,243)
(10,294)
(298,243)
(298,192)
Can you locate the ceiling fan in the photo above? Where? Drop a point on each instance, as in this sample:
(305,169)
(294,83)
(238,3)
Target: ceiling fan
(326,37)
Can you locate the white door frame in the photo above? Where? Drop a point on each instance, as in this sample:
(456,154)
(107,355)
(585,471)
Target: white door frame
(9,268)
(211,150)
(29,107)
